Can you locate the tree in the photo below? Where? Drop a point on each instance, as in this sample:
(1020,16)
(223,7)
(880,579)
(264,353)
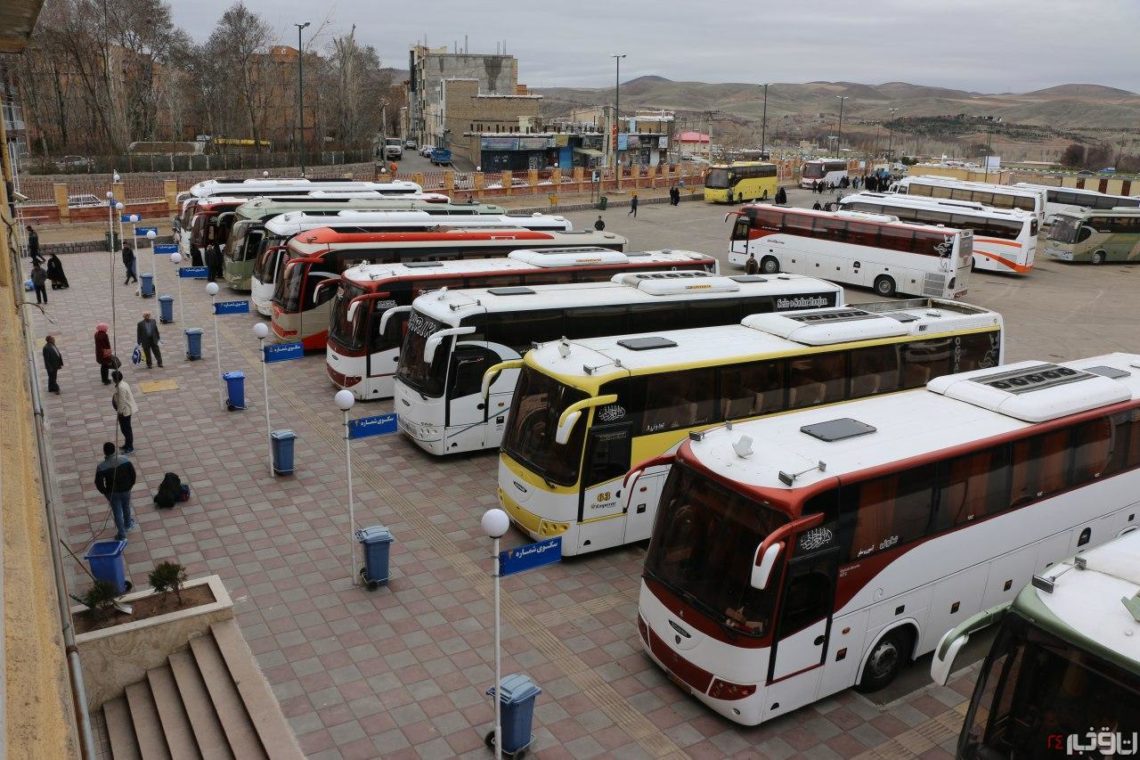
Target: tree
(1098,157)
(1073,156)
(358,92)
(236,61)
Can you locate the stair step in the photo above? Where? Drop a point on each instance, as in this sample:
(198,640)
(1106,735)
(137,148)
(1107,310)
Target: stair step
(264,710)
(199,708)
(144,717)
(120,731)
(175,723)
(228,705)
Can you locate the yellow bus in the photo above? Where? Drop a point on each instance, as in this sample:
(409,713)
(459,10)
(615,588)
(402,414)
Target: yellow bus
(741,181)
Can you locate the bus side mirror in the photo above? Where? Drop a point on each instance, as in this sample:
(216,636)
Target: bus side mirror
(352,310)
(945,654)
(562,433)
(762,567)
(431,346)
(494,371)
(388,314)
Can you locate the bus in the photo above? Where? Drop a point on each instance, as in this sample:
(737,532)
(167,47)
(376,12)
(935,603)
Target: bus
(240,257)
(801,554)
(364,343)
(1065,665)
(1005,240)
(829,171)
(300,306)
(870,250)
(1027,199)
(441,399)
(561,474)
(1095,236)
(1074,200)
(741,181)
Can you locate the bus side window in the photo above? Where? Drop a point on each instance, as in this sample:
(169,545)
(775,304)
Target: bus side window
(861,233)
(816,379)
(895,238)
(468,363)
(972,487)
(924,360)
(1092,451)
(894,509)
(1126,452)
(608,453)
(874,370)
(680,400)
(977,351)
(1039,466)
(752,389)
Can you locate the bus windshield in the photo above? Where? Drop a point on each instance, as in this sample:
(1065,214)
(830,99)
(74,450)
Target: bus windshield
(413,370)
(1064,229)
(529,438)
(703,548)
(346,333)
(1034,685)
(265,268)
(289,290)
(236,244)
(814,171)
(719,179)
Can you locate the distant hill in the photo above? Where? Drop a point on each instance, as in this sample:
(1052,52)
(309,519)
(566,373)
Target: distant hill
(1082,91)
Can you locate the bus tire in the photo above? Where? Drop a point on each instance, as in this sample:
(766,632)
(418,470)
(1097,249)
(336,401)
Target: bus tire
(1098,257)
(885,286)
(886,660)
(769,265)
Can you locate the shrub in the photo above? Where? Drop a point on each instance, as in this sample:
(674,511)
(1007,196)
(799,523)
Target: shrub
(100,599)
(167,577)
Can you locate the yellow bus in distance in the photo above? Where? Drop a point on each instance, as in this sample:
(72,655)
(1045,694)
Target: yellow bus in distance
(741,181)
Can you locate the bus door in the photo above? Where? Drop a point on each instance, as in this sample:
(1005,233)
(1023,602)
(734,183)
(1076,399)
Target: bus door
(608,451)
(803,628)
(466,410)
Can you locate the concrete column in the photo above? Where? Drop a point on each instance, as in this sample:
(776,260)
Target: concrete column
(506,182)
(418,178)
(479,180)
(449,182)
(532,178)
(170,192)
(59,190)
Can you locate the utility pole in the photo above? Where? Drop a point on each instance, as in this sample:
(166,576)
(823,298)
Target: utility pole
(617,115)
(891,137)
(839,142)
(301,94)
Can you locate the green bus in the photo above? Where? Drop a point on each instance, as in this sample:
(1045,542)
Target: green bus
(1095,236)
(741,181)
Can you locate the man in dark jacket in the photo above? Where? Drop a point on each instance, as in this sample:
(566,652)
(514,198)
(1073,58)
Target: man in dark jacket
(129,263)
(39,282)
(34,245)
(53,360)
(115,477)
(147,337)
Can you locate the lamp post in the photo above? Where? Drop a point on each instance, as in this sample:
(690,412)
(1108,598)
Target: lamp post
(176,259)
(764,125)
(212,292)
(261,332)
(989,144)
(344,402)
(111,259)
(617,114)
(839,141)
(891,137)
(150,236)
(301,95)
(495,524)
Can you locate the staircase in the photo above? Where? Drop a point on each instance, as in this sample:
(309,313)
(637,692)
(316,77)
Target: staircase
(209,701)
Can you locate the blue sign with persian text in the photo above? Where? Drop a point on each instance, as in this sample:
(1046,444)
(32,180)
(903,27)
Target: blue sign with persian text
(131,218)
(231,307)
(523,558)
(142,231)
(283,352)
(187,273)
(366,427)
(166,248)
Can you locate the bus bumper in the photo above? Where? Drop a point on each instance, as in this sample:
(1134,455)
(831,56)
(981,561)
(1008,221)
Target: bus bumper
(1056,253)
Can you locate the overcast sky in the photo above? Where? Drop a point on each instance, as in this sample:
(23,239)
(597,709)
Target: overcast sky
(982,45)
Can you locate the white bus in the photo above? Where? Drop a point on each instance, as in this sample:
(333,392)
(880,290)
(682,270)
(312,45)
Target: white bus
(870,250)
(1065,665)
(1028,199)
(1096,236)
(1074,200)
(801,554)
(829,171)
(454,337)
(1005,240)
(564,477)
(295,186)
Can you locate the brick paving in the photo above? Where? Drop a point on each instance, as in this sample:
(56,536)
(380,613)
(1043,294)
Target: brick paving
(400,672)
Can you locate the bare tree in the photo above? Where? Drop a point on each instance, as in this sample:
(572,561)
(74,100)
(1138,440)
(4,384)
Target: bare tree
(358,88)
(238,51)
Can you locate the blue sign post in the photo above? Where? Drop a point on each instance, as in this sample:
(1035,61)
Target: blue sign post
(130,218)
(166,248)
(141,230)
(231,307)
(197,273)
(283,352)
(366,427)
(528,557)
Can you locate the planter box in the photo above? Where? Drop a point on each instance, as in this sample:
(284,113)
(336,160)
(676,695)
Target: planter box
(119,655)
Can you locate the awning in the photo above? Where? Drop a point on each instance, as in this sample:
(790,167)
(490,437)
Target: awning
(589,152)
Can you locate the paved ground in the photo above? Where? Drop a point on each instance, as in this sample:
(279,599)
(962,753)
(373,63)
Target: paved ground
(401,672)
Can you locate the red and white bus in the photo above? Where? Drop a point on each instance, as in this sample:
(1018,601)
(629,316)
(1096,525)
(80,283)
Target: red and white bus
(801,554)
(371,308)
(301,304)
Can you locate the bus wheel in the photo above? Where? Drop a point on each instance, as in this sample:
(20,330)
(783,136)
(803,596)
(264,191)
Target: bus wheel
(769,265)
(1098,257)
(885,286)
(885,661)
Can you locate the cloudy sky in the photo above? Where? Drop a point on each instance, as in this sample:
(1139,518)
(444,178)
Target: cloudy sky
(982,45)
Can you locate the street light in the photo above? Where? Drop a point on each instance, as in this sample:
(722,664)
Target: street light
(261,332)
(617,114)
(301,94)
(839,142)
(495,524)
(344,402)
(764,125)
(150,236)
(212,292)
(891,136)
(176,259)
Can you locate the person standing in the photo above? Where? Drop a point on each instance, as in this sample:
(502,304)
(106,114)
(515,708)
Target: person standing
(103,354)
(39,282)
(34,245)
(633,206)
(55,273)
(752,266)
(781,197)
(115,477)
(600,224)
(124,403)
(53,360)
(195,255)
(129,263)
(147,337)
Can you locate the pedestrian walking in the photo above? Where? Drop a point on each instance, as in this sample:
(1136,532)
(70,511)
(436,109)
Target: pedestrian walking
(781,197)
(633,206)
(124,403)
(39,282)
(53,360)
(214,261)
(147,336)
(600,224)
(115,477)
(55,273)
(195,255)
(129,263)
(34,245)
(816,207)
(752,266)
(104,356)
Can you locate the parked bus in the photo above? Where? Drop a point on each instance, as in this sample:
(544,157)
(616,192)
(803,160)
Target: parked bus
(1074,200)
(240,257)
(439,382)
(1065,665)
(801,554)
(295,186)
(364,342)
(561,473)
(1004,240)
(741,181)
(829,171)
(301,305)
(1027,199)
(874,251)
(1095,236)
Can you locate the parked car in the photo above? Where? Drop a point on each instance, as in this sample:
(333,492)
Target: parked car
(440,156)
(393,148)
(84,201)
(425,150)
(410,144)
(74,163)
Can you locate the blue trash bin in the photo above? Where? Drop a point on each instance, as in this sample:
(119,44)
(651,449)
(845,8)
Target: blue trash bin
(146,285)
(193,343)
(166,309)
(235,388)
(516,712)
(107,564)
(282,441)
(376,541)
